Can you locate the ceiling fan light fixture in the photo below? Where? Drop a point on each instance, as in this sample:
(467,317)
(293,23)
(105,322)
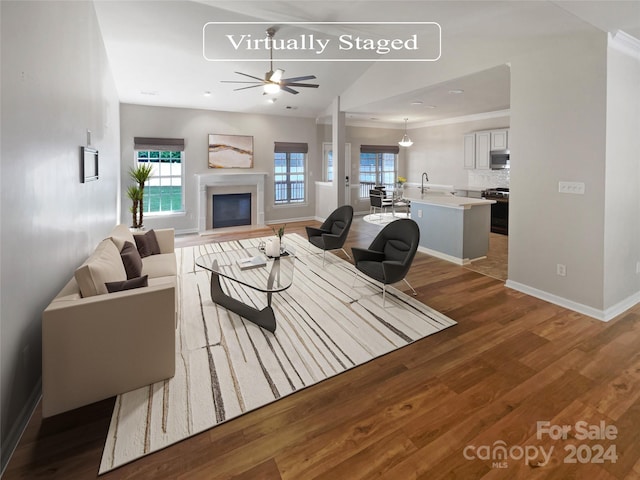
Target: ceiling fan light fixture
(276,76)
(405,141)
(271,88)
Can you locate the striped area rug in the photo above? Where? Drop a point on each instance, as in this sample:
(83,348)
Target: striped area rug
(226,366)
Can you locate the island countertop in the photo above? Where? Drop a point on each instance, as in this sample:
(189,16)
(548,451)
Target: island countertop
(443,199)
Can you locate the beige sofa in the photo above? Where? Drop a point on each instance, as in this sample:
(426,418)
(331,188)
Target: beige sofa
(96,344)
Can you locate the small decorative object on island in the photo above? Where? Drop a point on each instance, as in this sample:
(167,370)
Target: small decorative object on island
(273,246)
(140,175)
(401,181)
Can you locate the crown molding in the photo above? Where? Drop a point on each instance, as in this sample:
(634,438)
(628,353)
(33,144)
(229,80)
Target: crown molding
(354,122)
(625,43)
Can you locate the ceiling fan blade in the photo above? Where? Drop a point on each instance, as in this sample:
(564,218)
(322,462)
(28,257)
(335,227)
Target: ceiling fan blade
(287,89)
(244,88)
(238,81)
(298,79)
(250,76)
(312,85)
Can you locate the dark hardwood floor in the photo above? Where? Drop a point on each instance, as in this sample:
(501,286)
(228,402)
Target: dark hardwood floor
(439,408)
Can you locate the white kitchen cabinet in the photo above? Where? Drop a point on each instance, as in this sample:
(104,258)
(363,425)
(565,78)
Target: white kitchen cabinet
(470,151)
(483,145)
(499,139)
(479,145)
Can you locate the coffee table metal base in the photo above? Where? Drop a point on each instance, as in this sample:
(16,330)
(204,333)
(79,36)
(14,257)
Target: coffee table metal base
(264,318)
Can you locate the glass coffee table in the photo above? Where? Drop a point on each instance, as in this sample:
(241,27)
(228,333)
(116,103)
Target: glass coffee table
(272,276)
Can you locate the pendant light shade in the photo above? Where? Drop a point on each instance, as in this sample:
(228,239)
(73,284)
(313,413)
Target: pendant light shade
(405,141)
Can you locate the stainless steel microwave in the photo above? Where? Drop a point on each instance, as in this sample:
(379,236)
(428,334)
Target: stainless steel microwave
(499,159)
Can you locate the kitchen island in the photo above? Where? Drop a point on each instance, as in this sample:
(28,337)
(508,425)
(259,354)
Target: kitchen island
(452,228)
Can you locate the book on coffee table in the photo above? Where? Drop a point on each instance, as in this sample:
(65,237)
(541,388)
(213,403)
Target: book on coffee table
(252,262)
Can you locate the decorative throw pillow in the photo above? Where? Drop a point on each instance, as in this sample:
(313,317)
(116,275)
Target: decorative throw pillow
(131,260)
(104,265)
(147,244)
(127,284)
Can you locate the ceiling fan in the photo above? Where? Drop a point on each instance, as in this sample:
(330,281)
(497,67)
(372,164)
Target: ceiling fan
(273,81)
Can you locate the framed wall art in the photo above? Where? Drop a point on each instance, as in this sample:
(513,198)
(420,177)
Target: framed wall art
(88,164)
(230,151)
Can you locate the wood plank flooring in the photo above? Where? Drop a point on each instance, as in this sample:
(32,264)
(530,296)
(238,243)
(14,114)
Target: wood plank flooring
(439,408)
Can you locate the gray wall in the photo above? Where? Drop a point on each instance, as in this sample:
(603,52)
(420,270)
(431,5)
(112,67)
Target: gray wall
(357,136)
(56,84)
(439,151)
(558,125)
(195,126)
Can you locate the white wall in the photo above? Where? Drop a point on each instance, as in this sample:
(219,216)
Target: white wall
(558,105)
(195,126)
(56,84)
(622,176)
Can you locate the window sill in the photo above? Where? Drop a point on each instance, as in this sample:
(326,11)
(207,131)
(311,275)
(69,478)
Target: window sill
(180,213)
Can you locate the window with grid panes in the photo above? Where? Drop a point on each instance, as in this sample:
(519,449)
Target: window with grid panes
(379,168)
(163,191)
(290,172)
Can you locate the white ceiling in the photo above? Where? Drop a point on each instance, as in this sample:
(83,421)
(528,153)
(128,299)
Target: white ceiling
(155,50)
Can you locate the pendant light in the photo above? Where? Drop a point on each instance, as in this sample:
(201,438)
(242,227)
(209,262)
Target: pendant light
(405,141)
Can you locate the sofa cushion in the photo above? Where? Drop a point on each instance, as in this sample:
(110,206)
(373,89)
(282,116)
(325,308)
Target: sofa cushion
(104,265)
(161,265)
(131,260)
(130,284)
(147,244)
(121,234)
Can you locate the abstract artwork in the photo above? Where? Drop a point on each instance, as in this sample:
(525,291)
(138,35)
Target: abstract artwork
(230,151)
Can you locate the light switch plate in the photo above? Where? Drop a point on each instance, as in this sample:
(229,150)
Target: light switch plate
(576,188)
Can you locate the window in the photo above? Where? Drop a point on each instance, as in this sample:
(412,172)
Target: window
(290,172)
(163,191)
(378,166)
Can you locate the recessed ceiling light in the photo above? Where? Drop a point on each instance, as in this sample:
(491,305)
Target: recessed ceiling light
(272,100)
(207,93)
(149,92)
(430,106)
(456,91)
(417,102)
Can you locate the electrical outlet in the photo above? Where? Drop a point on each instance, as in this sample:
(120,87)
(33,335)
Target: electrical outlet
(419,213)
(576,188)
(561,269)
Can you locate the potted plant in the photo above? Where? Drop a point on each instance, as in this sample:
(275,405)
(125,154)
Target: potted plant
(140,175)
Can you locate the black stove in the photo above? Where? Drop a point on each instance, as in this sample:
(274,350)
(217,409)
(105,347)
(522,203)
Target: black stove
(499,210)
(496,193)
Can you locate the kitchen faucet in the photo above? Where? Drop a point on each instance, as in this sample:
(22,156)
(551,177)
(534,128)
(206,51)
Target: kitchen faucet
(424,175)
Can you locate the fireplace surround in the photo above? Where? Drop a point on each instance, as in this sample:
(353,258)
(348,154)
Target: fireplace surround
(230,182)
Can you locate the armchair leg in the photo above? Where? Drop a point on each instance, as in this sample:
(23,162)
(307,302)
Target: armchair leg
(414,292)
(384,294)
(324,252)
(345,252)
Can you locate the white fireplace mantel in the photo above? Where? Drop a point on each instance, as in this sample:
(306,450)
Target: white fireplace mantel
(223,179)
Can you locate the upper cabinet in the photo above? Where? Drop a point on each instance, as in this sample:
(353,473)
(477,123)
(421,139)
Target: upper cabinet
(470,150)
(479,145)
(499,139)
(483,142)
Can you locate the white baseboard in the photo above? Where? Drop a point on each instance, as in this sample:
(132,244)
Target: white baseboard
(448,258)
(599,314)
(19,426)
